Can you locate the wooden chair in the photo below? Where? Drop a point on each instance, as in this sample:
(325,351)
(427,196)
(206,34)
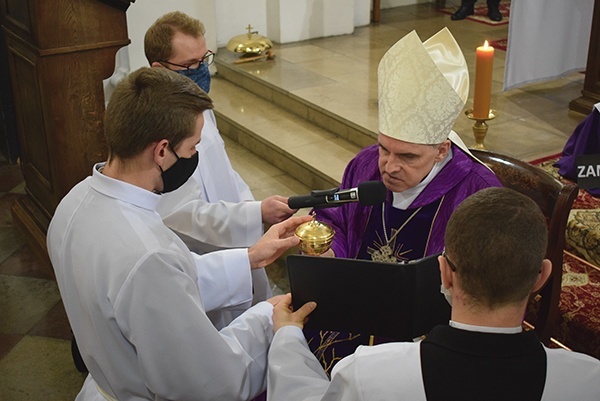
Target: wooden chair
(555,200)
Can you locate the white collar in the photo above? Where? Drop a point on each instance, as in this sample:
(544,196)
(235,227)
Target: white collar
(486,329)
(402,200)
(122,190)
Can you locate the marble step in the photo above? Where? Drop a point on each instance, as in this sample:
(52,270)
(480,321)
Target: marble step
(263,178)
(314,156)
(294,89)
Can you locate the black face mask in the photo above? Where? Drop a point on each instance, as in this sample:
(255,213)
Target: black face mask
(178,174)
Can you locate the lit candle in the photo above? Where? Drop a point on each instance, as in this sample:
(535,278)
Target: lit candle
(484,62)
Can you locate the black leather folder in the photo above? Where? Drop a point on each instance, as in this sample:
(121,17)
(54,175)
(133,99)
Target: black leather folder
(396,301)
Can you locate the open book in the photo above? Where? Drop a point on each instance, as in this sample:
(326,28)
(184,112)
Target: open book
(397,301)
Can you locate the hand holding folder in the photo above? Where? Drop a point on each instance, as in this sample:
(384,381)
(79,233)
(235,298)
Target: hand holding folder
(395,301)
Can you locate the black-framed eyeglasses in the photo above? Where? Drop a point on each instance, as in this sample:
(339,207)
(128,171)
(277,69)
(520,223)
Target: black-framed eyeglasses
(452,265)
(208,59)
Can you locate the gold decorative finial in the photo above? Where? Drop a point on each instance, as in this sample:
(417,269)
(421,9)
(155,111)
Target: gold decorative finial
(249,44)
(315,237)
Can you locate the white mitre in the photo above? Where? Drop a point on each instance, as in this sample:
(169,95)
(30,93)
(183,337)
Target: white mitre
(423,88)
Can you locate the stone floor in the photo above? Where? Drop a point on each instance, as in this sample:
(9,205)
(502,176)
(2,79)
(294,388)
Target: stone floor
(35,360)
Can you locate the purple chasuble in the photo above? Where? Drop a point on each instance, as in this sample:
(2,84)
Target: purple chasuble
(404,237)
(585,140)
(359,227)
(460,177)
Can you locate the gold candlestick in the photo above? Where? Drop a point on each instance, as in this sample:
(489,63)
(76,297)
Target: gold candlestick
(480,127)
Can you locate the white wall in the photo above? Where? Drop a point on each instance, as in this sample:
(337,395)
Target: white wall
(281,21)
(273,20)
(140,15)
(233,16)
(362,12)
(307,19)
(143,13)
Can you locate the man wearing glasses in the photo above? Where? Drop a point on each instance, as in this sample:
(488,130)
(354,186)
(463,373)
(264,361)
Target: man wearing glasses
(196,211)
(176,41)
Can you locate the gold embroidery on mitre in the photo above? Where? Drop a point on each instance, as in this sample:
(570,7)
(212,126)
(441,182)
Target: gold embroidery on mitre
(419,98)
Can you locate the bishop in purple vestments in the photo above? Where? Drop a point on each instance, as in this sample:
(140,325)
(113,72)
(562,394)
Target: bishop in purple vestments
(425,166)
(460,177)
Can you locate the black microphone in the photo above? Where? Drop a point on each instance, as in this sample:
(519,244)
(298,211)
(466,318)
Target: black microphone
(367,193)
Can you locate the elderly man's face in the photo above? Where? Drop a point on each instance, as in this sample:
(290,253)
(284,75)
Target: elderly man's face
(403,164)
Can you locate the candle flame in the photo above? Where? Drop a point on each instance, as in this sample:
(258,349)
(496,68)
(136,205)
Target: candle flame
(485,44)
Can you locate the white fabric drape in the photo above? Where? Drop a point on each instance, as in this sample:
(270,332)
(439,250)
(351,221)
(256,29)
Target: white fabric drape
(547,39)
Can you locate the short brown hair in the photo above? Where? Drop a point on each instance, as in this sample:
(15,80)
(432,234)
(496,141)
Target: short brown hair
(158,40)
(497,239)
(149,105)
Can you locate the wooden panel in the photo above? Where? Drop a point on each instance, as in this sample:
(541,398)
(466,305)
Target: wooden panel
(74,108)
(49,24)
(34,225)
(59,53)
(30,119)
(376,12)
(59,106)
(16,17)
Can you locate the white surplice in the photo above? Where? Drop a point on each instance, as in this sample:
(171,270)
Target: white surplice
(219,181)
(131,290)
(392,371)
(215,210)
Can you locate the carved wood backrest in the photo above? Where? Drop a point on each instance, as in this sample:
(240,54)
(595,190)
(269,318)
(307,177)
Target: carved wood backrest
(555,200)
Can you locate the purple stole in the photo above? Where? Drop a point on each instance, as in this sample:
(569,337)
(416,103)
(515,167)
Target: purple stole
(407,231)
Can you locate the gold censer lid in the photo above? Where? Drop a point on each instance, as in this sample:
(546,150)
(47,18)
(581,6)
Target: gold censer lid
(315,237)
(249,44)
